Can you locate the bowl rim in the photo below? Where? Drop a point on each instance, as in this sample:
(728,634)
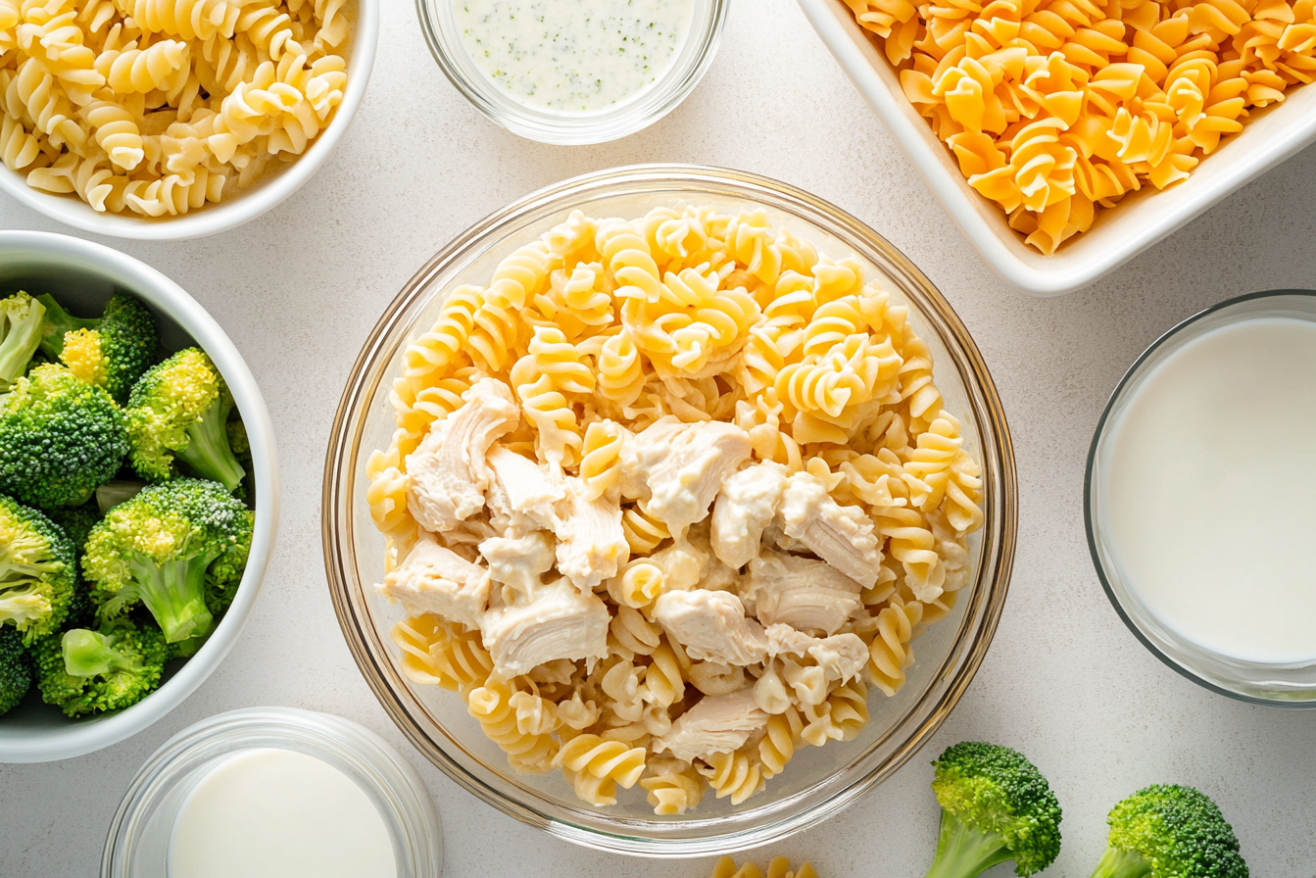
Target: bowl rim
(588,129)
(1031,272)
(1089,523)
(243,206)
(983,609)
(81,737)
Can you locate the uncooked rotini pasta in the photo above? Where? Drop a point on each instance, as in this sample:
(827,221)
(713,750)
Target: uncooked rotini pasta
(1057,109)
(665,499)
(159,107)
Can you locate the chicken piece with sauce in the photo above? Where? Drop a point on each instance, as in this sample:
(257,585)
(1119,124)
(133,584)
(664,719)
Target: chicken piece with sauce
(807,594)
(557,622)
(447,474)
(591,542)
(678,468)
(434,579)
(523,495)
(840,535)
(745,506)
(717,724)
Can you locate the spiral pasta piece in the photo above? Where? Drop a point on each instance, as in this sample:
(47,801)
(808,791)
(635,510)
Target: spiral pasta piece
(606,760)
(737,775)
(439,653)
(491,706)
(644,533)
(600,459)
(889,654)
(673,786)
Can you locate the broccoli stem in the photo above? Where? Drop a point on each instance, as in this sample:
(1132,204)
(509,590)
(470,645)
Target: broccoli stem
(175,593)
(21,338)
(1122,864)
(208,452)
(116,491)
(963,851)
(57,322)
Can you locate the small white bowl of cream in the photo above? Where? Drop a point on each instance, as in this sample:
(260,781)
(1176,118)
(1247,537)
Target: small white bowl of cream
(275,792)
(573,71)
(1199,497)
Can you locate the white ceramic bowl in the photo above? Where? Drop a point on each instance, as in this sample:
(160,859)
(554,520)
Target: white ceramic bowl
(235,209)
(84,275)
(1139,221)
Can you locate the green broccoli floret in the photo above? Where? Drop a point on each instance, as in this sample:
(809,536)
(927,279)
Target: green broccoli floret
(179,548)
(179,411)
(37,571)
(15,669)
(84,671)
(112,350)
(21,319)
(60,438)
(996,806)
(1170,832)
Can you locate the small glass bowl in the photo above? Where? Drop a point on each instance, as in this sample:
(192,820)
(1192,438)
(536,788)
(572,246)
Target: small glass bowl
(819,782)
(438,24)
(1286,685)
(138,842)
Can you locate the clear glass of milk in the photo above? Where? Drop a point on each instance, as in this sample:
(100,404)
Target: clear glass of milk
(1201,498)
(275,792)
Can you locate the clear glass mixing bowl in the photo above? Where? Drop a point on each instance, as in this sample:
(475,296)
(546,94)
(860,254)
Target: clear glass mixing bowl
(819,781)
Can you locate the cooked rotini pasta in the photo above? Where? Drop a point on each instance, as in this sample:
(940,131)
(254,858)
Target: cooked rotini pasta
(1056,110)
(665,499)
(159,107)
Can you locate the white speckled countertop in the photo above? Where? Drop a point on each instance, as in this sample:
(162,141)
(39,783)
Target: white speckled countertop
(299,289)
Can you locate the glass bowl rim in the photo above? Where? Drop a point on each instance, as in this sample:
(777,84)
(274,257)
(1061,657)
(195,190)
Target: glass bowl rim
(1000,531)
(1089,525)
(666,94)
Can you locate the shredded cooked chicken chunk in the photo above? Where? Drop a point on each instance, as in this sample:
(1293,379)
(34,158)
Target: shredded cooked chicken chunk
(447,474)
(433,579)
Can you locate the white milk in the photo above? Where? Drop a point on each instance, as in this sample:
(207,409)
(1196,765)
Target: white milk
(1211,493)
(573,56)
(271,813)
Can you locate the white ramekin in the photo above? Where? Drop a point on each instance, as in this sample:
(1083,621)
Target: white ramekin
(85,275)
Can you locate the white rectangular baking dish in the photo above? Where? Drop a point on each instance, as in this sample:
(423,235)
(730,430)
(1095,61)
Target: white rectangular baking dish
(1140,220)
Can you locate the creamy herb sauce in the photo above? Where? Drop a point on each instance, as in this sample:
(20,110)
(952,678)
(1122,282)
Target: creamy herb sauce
(573,56)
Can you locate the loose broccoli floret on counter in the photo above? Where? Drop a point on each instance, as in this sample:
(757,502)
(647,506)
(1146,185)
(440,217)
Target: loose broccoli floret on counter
(179,548)
(37,571)
(21,320)
(179,411)
(84,671)
(996,806)
(15,669)
(112,350)
(60,438)
(1170,832)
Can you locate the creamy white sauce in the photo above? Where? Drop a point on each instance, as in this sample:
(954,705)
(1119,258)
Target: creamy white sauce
(573,56)
(1212,491)
(270,813)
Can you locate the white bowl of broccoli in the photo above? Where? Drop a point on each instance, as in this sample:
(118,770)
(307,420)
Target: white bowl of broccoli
(105,401)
